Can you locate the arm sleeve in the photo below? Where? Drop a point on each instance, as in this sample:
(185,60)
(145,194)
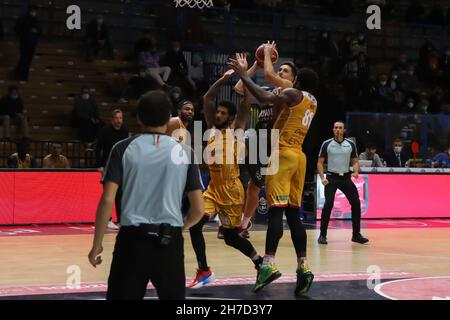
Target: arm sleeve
(114,167)
(193,179)
(323,150)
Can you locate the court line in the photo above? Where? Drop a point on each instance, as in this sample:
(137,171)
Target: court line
(378,287)
(395,254)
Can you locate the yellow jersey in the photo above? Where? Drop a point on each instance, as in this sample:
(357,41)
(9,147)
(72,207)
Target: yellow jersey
(293,122)
(225,187)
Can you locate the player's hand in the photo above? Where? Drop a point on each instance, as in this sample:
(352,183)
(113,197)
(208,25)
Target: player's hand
(325,181)
(242,59)
(355,175)
(228,74)
(237,67)
(94,256)
(269,47)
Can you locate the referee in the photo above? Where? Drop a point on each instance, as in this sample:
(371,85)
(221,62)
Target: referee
(339,153)
(153,171)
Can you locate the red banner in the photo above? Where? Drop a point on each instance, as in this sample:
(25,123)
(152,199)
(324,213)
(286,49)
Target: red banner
(49,197)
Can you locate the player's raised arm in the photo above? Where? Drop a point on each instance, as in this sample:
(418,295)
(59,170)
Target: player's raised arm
(209,106)
(269,71)
(243,111)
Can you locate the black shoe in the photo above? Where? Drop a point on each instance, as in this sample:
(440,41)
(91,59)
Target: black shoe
(357,237)
(220,233)
(322,240)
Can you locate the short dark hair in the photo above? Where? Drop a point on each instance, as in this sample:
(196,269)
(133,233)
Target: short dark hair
(307,79)
(182,103)
(230,106)
(371,145)
(113,113)
(293,67)
(154,108)
(341,121)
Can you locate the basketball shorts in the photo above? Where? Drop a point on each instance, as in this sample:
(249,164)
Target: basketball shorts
(285,186)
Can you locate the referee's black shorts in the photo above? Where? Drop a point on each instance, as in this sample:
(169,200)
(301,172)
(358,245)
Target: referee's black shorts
(138,259)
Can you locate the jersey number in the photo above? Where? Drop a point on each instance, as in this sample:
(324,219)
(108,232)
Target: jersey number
(307,118)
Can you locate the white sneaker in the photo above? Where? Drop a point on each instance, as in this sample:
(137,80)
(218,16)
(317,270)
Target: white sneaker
(112,225)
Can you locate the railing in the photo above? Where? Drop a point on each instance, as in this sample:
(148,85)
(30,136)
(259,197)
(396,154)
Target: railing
(78,154)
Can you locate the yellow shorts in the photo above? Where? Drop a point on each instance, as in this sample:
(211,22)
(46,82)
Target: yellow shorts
(230,214)
(285,187)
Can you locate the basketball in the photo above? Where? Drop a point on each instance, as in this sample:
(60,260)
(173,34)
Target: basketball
(259,55)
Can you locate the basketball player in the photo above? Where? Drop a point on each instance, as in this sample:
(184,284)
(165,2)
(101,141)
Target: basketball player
(225,193)
(284,78)
(284,188)
(185,115)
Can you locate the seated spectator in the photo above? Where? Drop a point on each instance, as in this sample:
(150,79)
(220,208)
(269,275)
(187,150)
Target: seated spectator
(85,116)
(409,106)
(149,59)
(142,44)
(408,83)
(97,38)
(326,52)
(137,85)
(22,158)
(402,64)
(383,95)
(196,76)
(397,156)
(423,104)
(55,160)
(177,63)
(441,160)
(371,154)
(436,99)
(428,61)
(12,110)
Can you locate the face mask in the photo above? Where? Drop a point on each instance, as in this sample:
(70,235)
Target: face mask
(14,96)
(410,105)
(85,96)
(398,149)
(33,13)
(394,77)
(325,35)
(99,21)
(142,74)
(361,38)
(176,96)
(411,73)
(383,83)
(176,49)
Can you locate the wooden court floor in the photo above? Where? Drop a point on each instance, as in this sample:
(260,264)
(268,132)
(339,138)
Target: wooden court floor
(44,259)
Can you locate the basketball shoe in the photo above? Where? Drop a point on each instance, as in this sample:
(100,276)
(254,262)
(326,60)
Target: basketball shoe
(202,278)
(304,280)
(266,274)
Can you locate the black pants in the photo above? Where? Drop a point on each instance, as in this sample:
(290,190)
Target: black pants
(138,258)
(346,185)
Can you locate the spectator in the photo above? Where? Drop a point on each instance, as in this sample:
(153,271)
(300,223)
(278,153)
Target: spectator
(361,44)
(383,94)
(149,59)
(28,30)
(409,105)
(326,51)
(428,61)
(11,109)
(424,103)
(22,158)
(402,64)
(137,85)
(397,156)
(142,44)
(107,138)
(177,63)
(97,38)
(441,160)
(408,83)
(344,47)
(85,116)
(371,154)
(176,96)
(196,75)
(56,160)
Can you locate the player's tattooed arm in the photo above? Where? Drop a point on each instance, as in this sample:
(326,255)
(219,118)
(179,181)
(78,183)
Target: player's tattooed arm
(209,106)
